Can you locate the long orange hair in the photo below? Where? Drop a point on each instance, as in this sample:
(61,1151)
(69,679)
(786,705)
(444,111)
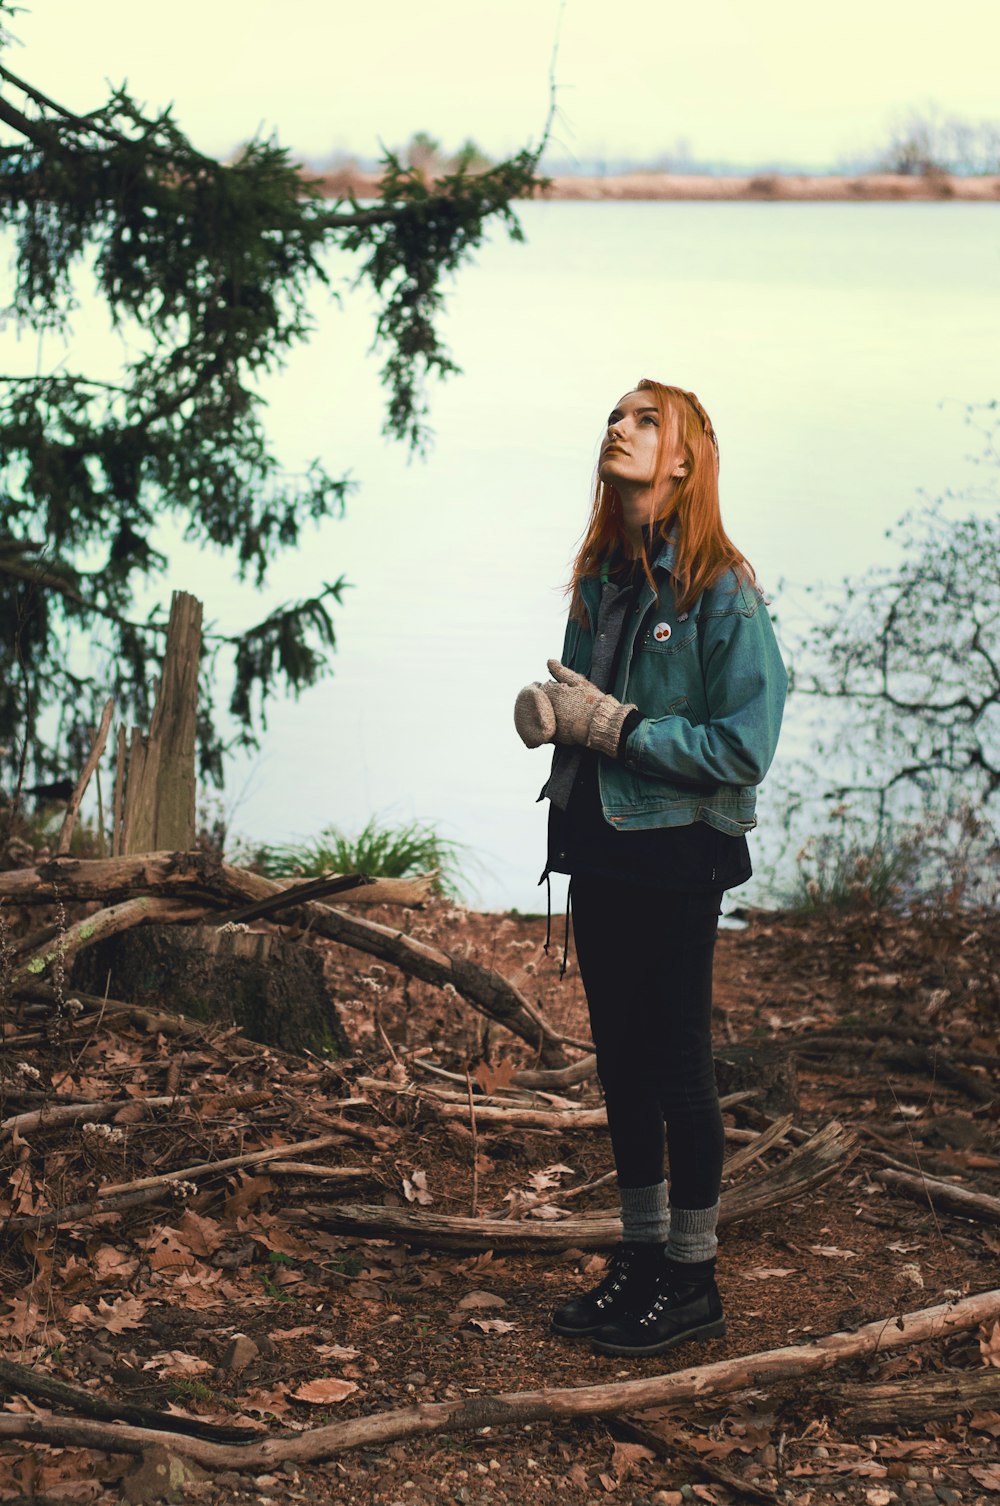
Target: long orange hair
(704,551)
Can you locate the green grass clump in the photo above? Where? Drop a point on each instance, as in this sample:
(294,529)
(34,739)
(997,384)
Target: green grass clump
(379,850)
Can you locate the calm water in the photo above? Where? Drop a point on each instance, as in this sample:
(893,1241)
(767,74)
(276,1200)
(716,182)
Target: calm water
(834,346)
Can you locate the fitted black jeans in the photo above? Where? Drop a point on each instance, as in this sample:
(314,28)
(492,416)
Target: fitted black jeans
(645,957)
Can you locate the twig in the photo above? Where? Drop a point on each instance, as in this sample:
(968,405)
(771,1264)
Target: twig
(475,1147)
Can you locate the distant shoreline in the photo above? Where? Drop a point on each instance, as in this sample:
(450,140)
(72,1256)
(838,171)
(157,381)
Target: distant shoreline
(786,187)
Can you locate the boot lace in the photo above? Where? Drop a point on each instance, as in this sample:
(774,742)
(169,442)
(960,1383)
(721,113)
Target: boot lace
(615,1278)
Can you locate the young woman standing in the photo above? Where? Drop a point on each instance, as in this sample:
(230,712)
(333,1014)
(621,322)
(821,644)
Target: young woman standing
(665,709)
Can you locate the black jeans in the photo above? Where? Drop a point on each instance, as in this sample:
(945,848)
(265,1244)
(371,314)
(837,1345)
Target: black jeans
(645,957)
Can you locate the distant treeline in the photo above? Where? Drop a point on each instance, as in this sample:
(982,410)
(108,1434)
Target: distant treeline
(923,143)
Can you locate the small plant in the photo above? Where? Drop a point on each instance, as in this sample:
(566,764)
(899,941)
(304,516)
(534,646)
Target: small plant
(838,873)
(379,850)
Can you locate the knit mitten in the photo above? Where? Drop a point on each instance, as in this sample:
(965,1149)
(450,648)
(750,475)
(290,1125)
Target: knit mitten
(534,717)
(584,715)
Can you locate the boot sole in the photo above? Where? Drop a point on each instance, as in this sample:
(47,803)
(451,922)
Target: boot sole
(708,1331)
(576,1333)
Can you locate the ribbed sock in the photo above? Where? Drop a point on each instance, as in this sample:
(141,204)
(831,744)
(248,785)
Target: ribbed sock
(692,1233)
(645,1214)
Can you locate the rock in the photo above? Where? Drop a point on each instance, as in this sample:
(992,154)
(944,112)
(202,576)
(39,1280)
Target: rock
(239,1353)
(161,1476)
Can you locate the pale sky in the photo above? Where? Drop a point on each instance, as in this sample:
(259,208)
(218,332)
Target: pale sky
(776,80)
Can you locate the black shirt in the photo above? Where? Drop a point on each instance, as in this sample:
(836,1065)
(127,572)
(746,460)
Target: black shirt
(696,856)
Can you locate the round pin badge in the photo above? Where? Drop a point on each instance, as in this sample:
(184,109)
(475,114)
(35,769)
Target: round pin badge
(661,632)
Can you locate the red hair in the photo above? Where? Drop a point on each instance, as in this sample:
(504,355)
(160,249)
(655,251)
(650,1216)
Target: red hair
(704,551)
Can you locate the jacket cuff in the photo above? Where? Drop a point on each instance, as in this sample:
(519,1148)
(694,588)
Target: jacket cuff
(628,727)
(605,728)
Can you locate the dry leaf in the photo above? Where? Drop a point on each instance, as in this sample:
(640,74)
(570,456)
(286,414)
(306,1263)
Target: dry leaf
(481,1299)
(125,1312)
(492,1325)
(248,1192)
(768,1272)
(989,1345)
(830,1252)
(415,1189)
(496,1075)
(986,1474)
(320,1392)
(625,1457)
(549,1176)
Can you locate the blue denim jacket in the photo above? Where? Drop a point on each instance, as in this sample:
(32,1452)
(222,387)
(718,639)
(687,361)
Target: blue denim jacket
(711,686)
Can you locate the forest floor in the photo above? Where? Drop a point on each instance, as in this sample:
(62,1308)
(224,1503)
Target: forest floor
(234,1305)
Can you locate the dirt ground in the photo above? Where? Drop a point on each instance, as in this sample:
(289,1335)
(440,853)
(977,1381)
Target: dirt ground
(892,1023)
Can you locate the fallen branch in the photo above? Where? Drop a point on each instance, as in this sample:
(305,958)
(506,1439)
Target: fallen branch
(22,1380)
(515,1408)
(518,1116)
(807,1166)
(206,1168)
(150,1190)
(186,876)
(174,874)
(56,1114)
(886,1404)
(107,922)
(942,1195)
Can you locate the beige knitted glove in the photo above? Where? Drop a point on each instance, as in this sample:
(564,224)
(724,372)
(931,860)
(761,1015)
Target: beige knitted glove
(534,717)
(584,714)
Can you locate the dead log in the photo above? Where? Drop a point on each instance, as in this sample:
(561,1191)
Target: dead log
(927,1061)
(515,1408)
(484,989)
(822,1156)
(871,1406)
(180,873)
(943,1195)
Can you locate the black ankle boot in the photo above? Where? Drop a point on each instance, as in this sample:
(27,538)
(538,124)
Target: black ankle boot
(630,1271)
(681,1302)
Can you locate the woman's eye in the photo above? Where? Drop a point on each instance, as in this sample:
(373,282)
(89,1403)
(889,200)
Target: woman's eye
(647,418)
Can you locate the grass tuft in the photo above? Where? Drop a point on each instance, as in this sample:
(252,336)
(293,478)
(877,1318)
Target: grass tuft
(379,850)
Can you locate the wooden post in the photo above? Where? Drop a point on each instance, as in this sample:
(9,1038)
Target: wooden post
(159,813)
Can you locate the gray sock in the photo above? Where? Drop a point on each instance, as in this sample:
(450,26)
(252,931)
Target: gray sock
(645,1214)
(692,1233)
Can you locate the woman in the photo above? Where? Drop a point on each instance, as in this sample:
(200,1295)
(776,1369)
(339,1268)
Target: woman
(665,710)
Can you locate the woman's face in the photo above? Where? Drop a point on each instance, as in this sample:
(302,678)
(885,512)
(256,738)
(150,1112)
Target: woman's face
(628,450)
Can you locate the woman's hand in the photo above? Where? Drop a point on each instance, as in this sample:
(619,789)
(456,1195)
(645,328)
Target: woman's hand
(534,717)
(584,715)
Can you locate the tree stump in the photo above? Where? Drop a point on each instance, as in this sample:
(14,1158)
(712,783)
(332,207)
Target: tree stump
(767,1068)
(273,990)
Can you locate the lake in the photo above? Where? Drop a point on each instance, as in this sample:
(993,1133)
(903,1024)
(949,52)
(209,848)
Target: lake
(834,345)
